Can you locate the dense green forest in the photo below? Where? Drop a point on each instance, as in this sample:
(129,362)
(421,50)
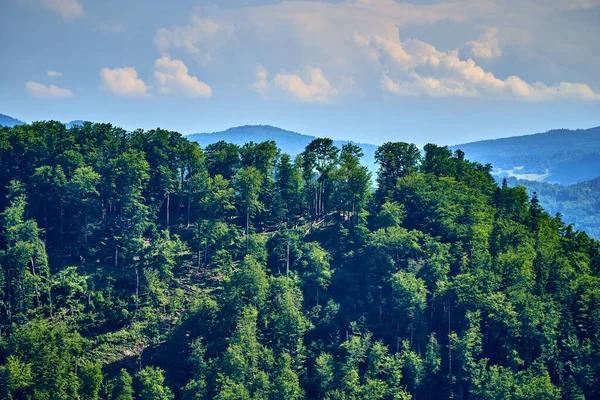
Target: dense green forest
(138,265)
(578,204)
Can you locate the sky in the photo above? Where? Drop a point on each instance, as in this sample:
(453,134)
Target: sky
(371,71)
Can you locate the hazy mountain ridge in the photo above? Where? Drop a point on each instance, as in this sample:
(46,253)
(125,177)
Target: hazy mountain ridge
(289,142)
(561,156)
(8,121)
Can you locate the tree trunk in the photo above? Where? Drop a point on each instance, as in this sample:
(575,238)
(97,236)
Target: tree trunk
(247,224)
(62,213)
(37,292)
(449,344)
(188,211)
(287,265)
(137,289)
(168,208)
(8,295)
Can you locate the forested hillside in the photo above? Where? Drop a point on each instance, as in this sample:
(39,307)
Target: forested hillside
(139,265)
(578,204)
(558,156)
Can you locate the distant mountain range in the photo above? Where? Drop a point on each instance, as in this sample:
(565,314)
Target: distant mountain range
(5,120)
(558,156)
(289,142)
(8,121)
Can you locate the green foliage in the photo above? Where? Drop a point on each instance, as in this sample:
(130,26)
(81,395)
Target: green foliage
(238,272)
(123,386)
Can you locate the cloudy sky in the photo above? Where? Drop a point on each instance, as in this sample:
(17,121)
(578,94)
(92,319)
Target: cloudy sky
(369,70)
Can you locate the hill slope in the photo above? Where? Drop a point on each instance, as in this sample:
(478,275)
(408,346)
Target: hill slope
(8,121)
(579,204)
(289,142)
(558,156)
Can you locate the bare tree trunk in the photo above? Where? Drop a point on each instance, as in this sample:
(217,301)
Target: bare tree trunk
(168,208)
(449,344)
(137,288)
(188,211)
(287,266)
(37,293)
(45,222)
(247,224)
(8,295)
(61,225)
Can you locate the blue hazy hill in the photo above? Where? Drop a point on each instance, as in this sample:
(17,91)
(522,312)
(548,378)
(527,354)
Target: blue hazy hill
(8,121)
(558,156)
(289,142)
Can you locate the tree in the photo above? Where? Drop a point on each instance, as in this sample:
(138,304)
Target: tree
(286,384)
(289,186)
(222,159)
(351,182)
(24,260)
(395,159)
(152,386)
(123,386)
(248,183)
(319,157)
(410,295)
(91,379)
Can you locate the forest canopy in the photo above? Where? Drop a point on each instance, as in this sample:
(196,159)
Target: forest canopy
(139,265)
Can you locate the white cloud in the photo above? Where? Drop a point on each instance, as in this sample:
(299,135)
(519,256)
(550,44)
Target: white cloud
(261,84)
(313,88)
(358,42)
(488,46)
(434,73)
(53,74)
(37,89)
(173,78)
(111,28)
(123,82)
(317,89)
(196,38)
(68,9)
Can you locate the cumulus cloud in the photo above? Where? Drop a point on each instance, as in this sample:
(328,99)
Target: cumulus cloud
(261,84)
(312,87)
(196,38)
(53,74)
(427,71)
(68,9)
(111,28)
(37,89)
(173,78)
(488,46)
(123,82)
(358,41)
(316,89)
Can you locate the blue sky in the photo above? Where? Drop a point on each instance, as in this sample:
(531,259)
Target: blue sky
(368,70)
